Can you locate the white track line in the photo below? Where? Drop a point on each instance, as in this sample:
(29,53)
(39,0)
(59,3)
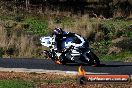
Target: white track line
(43,71)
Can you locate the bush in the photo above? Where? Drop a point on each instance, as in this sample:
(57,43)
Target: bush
(37,26)
(101,47)
(125,44)
(1,52)
(115,28)
(12,51)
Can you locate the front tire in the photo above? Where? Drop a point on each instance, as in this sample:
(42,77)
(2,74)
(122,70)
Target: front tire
(94,60)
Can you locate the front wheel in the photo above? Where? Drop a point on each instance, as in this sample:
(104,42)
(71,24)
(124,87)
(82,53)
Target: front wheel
(94,60)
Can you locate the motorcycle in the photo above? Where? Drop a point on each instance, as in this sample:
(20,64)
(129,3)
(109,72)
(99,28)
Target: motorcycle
(69,54)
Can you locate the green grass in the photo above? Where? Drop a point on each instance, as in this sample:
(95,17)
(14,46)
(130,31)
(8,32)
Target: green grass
(123,56)
(67,21)
(117,27)
(4,17)
(101,47)
(18,83)
(39,27)
(15,84)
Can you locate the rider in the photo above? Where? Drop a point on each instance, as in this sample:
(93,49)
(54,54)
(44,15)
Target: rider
(78,41)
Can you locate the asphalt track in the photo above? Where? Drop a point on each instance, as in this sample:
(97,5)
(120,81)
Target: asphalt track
(46,64)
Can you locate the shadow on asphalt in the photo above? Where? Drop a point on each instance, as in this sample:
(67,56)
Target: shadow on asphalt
(101,65)
(104,65)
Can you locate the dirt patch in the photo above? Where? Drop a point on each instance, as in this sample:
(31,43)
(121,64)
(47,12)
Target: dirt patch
(42,80)
(32,76)
(114,50)
(117,40)
(85,86)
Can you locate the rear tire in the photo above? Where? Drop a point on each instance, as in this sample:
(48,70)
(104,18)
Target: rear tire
(62,60)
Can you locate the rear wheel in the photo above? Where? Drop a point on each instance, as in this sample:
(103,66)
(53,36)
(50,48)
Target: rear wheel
(60,60)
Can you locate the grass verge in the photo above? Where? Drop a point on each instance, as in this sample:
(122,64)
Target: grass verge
(123,56)
(15,84)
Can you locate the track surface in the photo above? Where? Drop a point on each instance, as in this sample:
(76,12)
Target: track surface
(106,67)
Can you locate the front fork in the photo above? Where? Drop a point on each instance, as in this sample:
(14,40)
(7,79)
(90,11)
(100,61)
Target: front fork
(85,55)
